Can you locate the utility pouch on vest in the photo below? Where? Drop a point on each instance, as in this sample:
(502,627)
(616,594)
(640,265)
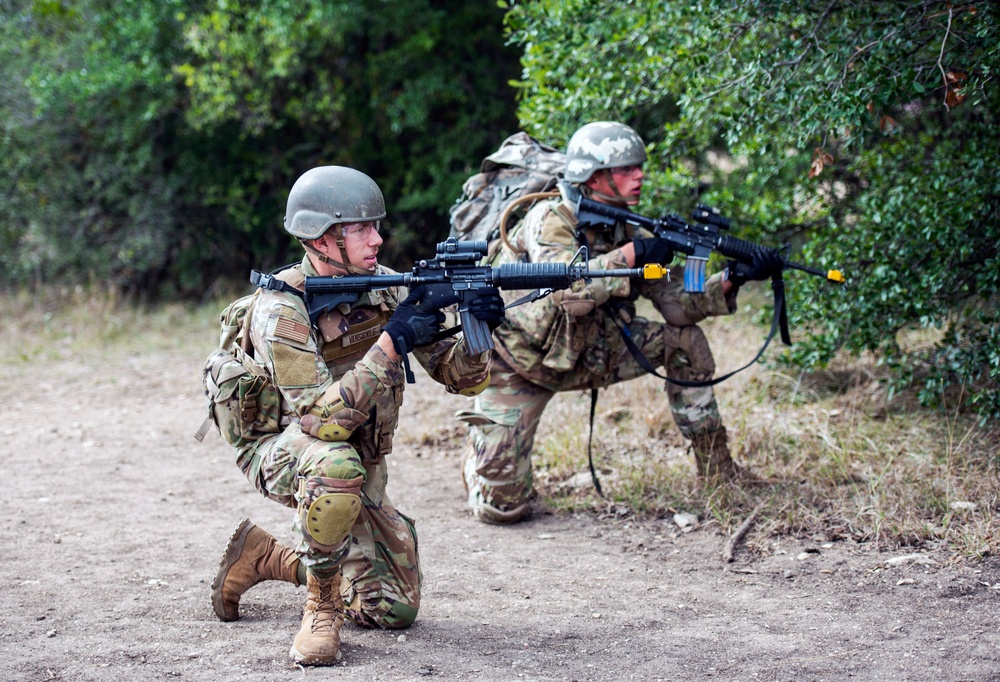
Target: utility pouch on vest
(242,401)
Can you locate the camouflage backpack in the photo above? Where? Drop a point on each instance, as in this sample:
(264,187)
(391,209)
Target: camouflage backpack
(521,166)
(242,402)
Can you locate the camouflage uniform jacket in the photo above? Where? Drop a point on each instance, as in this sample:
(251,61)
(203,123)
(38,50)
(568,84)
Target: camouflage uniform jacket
(550,336)
(335,370)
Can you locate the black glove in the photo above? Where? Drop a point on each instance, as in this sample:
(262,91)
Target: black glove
(419,316)
(765,264)
(486,305)
(653,250)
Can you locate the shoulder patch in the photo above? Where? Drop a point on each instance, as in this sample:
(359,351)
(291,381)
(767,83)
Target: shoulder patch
(293,367)
(286,328)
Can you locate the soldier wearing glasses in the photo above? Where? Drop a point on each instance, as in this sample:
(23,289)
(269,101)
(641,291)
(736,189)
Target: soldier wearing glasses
(338,385)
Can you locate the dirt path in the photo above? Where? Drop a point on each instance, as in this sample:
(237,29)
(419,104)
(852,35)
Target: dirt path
(113,520)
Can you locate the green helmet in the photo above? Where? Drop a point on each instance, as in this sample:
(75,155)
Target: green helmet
(331,195)
(604,144)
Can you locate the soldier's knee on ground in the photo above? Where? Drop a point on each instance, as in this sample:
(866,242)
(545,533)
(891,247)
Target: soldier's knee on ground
(371,609)
(399,616)
(395,616)
(490,514)
(497,476)
(328,508)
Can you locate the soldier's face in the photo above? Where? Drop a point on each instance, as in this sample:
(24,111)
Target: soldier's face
(361,241)
(628,180)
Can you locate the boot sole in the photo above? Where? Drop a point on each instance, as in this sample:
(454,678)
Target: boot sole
(234,548)
(314,660)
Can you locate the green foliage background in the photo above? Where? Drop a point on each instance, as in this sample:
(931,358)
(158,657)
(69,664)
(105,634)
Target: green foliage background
(895,104)
(151,145)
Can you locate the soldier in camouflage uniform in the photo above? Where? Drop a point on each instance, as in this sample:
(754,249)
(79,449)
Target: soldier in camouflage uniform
(334,392)
(572,339)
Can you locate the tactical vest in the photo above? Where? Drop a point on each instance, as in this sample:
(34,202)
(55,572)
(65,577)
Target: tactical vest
(346,334)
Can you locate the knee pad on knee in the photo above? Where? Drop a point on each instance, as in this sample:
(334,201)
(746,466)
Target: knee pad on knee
(330,517)
(328,508)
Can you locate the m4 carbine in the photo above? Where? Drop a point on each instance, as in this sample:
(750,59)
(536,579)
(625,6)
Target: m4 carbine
(696,241)
(456,264)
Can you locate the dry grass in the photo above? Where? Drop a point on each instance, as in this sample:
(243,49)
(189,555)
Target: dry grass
(61,324)
(838,458)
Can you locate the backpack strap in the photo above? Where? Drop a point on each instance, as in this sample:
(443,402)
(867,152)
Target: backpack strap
(202,431)
(536,196)
(243,343)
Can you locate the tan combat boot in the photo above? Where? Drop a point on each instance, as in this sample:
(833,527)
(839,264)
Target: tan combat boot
(711,455)
(318,641)
(252,556)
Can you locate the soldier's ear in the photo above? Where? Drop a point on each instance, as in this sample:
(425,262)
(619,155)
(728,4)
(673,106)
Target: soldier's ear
(594,180)
(321,242)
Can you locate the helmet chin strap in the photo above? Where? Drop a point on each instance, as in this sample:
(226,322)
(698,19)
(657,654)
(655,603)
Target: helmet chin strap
(338,233)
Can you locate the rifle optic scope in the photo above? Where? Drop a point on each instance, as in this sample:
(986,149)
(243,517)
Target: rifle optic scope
(707,215)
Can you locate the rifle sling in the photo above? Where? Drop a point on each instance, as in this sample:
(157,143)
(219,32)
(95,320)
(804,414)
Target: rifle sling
(779,321)
(590,438)
(272,283)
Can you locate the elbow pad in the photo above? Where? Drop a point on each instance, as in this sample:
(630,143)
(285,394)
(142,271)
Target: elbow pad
(477,389)
(330,419)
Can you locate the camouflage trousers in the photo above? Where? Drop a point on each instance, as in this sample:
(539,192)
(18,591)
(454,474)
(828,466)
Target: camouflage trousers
(505,417)
(379,563)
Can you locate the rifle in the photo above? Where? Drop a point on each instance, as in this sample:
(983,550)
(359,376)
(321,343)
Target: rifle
(456,263)
(697,241)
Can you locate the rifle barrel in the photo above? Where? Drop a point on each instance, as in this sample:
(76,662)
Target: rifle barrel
(830,275)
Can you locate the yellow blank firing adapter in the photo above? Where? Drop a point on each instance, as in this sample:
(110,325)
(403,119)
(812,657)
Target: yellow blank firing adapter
(835,276)
(653,271)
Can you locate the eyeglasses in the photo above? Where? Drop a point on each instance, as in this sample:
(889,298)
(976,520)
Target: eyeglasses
(627,170)
(362,230)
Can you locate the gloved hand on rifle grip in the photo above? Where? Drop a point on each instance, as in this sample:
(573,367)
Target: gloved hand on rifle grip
(765,264)
(486,305)
(652,250)
(419,316)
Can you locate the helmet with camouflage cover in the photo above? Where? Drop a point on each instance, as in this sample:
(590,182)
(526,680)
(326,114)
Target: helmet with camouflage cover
(331,195)
(604,144)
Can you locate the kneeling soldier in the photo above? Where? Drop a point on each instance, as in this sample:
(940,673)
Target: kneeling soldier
(327,412)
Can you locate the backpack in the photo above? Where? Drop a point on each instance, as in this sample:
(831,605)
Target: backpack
(521,166)
(242,401)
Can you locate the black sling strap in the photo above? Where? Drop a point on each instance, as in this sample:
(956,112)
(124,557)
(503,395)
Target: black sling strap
(779,321)
(590,439)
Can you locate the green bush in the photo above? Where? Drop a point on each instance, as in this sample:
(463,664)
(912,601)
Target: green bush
(864,133)
(152,144)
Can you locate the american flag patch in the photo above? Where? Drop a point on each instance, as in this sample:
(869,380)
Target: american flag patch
(291,330)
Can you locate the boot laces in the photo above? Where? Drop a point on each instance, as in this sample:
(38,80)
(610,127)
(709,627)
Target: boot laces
(325,615)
